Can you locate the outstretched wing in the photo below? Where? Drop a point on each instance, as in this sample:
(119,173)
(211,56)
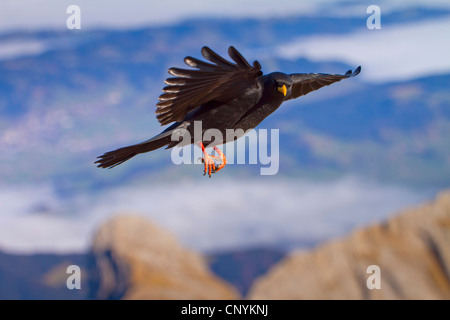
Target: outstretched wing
(304,83)
(220,80)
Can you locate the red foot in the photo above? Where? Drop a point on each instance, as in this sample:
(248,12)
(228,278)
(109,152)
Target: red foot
(210,166)
(223,160)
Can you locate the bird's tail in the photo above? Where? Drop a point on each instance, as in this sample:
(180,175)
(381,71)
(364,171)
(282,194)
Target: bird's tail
(114,158)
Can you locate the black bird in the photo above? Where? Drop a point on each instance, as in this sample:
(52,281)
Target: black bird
(222,95)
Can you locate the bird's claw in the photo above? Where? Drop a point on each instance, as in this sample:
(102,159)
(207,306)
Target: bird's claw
(213,167)
(210,166)
(221,157)
(209,161)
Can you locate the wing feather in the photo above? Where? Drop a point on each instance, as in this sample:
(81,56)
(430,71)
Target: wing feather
(213,57)
(238,58)
(218,79)
(304,83)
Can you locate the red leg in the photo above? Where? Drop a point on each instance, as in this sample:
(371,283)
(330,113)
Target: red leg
(210,167)
(222,159)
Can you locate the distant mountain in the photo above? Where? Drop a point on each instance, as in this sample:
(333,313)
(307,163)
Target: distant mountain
(89,92)
(242,267)
(43,276)
(40,276)
(396,132)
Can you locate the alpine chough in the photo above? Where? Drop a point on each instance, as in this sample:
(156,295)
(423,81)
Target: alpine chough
(222,95)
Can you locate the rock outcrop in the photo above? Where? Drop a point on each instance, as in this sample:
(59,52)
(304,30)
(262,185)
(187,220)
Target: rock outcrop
(412,251)
(134,259)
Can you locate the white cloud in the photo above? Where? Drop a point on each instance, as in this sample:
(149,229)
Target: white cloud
(39,14)
(204,215)
(392,53)
(16,48)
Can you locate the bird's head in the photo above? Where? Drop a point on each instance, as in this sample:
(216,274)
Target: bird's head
(281,84)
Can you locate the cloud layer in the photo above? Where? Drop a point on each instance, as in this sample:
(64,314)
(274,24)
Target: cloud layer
(44,14)
(391,53)
(207,216)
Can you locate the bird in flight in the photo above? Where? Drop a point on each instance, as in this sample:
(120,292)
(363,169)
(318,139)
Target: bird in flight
(222,95)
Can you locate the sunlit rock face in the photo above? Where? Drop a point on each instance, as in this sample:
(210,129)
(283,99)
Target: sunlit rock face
(411,250)
(134,259)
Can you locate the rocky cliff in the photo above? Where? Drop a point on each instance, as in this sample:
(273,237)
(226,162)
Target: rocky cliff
(134,259)
(412,251)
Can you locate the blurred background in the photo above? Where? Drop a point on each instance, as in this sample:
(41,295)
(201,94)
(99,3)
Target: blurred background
(351,155)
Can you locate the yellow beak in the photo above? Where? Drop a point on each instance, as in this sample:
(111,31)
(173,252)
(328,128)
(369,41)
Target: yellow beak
(283,89)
